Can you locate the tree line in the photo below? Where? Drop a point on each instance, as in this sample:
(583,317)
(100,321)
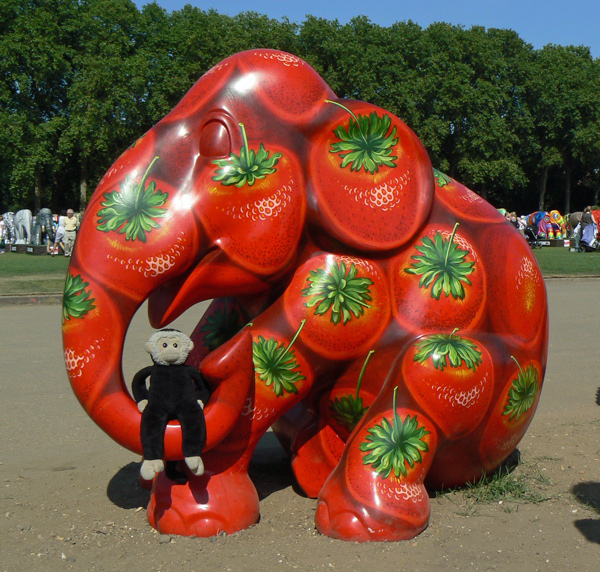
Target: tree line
(80,80)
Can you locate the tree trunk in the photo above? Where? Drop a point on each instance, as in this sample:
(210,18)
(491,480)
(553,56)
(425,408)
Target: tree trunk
(567,191)
(83,183)
(542,193)
(37,198)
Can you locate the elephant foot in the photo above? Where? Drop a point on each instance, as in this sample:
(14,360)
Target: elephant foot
(380,512)
(205,506)
(315,458)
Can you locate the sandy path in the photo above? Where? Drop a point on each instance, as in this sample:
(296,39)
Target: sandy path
(70,499)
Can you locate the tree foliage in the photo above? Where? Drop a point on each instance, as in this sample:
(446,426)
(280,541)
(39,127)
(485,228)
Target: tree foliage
(80,80)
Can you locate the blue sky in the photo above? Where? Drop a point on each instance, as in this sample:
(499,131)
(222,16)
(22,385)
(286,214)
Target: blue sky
(538,22)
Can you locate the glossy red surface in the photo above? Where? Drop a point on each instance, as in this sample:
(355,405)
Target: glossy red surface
(388,323)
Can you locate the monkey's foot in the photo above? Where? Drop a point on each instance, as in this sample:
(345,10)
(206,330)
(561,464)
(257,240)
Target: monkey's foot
(195,465)
(367,510)
(205,506)
(150,468)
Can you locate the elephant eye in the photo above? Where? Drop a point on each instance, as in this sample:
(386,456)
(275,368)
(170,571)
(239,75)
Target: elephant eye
(175,345)
(215,140)
(165,345)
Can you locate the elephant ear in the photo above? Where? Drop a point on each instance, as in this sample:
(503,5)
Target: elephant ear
(370,180)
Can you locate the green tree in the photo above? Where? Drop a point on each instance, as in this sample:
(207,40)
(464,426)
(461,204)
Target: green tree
(472,113)
(564,94)
(34,67)
(106,89)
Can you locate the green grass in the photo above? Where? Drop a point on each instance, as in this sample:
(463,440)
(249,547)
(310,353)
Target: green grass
(557,261)
(525,485)
(29,274)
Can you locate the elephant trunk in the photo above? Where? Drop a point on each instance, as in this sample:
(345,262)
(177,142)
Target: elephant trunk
(138,233)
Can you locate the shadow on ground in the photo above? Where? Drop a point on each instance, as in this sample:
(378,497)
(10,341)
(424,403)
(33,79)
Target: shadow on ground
(588,494)
(269,470)
(124,488)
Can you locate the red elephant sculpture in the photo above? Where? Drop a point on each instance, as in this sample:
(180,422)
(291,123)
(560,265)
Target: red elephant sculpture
(386,321)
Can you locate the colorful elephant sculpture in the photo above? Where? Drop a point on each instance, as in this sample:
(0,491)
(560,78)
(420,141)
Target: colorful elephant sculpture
(387,322)
(547,225)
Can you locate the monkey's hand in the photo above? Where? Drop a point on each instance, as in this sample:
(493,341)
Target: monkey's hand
(142,405)
(201,403)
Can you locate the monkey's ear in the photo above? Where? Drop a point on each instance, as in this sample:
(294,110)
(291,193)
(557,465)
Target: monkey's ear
(191,346)
(149,347)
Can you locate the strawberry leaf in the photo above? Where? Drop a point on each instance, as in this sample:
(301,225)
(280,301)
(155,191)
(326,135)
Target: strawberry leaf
(347,410)
(220,327)
(339,290)
(350,409)
(247,167)
(365,143)
(391,446)
(132,210)
(76,299)
(444,348)
(522,393)
(442,266)
(441,179)
(276,364)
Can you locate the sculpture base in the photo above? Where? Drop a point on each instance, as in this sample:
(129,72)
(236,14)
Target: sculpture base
(563,243)
(36,249)
(18,248)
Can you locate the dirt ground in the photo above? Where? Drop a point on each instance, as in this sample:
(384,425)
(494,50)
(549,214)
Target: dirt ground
(70,498)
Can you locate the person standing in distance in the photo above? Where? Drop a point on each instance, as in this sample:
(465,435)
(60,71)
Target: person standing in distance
(71,226)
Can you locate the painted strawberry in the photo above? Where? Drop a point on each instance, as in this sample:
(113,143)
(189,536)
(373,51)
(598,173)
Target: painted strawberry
(517,296)
(132,215)
(463,202)
(252,205)
(370,177)
(289,88)
(452,379)
(512,413)
(438,283)
(344,301)
(377,490)
(282,373)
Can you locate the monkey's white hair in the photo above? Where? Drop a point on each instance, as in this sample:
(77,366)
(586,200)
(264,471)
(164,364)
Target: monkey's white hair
(186,346)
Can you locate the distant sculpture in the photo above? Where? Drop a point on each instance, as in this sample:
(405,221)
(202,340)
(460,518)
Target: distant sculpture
(9,227)
(43,228)
(23,223)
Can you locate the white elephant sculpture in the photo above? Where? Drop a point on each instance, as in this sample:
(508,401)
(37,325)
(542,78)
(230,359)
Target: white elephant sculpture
(23,224)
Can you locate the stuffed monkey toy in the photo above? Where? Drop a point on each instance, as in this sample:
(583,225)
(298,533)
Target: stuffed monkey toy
(176,391)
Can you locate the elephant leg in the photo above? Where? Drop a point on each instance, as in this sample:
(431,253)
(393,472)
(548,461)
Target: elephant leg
(377,491)
(224,497)
(317,452)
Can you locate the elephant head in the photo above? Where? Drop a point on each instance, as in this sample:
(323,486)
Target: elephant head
(43,228)
(214,201)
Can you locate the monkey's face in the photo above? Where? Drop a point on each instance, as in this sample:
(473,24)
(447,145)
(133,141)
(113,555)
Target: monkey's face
(169,347)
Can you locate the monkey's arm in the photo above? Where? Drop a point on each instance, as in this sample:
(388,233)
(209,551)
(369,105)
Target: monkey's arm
(202,388)
(138,385)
